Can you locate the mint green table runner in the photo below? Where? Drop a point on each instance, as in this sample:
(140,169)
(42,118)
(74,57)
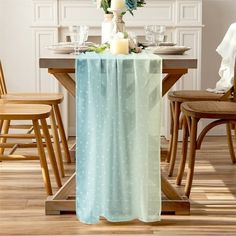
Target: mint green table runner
(118,102)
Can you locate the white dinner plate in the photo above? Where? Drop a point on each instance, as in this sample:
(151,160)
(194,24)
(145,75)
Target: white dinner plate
(61,49)
(66,48)
(169,50)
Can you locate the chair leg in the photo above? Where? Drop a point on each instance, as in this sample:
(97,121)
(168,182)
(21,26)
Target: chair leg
(230,142)
(51,152)
(62,133)
(184,152)
(5,129)
(42,157)
(175,138)
(57,144)
(1,124)
(234,127)
(171,133)
(192,154)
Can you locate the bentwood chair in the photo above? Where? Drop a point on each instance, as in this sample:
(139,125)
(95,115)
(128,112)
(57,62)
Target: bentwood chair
(176,98)
(35,114)
(52,99)
(223,112)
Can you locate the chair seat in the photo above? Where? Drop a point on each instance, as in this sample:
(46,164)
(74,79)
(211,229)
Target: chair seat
(24,111)
(33,98)
(193,95)
(210,109)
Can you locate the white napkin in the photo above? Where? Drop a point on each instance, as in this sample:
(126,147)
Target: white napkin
(227,50)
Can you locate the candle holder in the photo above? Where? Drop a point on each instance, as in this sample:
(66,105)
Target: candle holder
(119,24)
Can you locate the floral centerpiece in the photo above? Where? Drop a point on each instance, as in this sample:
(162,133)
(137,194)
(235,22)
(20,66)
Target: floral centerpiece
(112,28)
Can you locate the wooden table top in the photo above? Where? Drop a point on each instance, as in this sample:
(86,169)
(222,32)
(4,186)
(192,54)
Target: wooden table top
(67,61)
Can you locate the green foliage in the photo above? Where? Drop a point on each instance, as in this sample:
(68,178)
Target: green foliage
(99,49)
(105,4)
(141,3)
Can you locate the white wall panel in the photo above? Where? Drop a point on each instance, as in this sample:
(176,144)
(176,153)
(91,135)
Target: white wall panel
(42,39)
(190,38)
(45,12)
(155,12)
(189,12)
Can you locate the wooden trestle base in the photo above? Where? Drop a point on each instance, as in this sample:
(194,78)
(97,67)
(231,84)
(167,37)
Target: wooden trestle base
(63,202)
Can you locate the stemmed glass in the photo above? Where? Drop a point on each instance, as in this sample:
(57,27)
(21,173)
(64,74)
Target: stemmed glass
(78,35)
(84,30)
(155,34)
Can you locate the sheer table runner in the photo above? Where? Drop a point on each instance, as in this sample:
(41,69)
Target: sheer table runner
(118,102)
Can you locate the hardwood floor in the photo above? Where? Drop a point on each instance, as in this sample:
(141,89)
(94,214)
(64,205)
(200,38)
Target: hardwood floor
(213,201)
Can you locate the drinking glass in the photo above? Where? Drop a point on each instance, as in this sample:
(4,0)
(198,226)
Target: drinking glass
(75,36)
(78,35)
(149,36)
(84,30)
(155,34)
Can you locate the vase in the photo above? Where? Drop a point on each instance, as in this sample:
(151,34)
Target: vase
(107,28)
(119,24)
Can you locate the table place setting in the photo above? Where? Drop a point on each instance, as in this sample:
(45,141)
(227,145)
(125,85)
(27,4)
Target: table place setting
(77,41)
(164,48)
(156,42)
(67,48)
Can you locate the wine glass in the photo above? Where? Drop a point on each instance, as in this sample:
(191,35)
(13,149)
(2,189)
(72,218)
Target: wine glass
(159,34)
(75,37)
(84,30)
(79,35)
(149,36)
(155,34)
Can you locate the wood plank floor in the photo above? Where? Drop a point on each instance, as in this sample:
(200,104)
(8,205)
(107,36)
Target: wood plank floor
(213,202)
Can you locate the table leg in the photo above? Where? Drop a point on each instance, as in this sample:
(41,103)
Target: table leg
(65,79)
(172,76)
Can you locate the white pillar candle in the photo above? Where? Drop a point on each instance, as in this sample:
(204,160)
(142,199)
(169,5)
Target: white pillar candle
(119,46)
(117,4)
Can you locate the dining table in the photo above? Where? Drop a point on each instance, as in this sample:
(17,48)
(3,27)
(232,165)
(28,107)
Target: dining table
(61,66)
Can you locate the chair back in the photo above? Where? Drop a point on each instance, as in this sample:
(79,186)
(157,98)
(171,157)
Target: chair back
(3,88)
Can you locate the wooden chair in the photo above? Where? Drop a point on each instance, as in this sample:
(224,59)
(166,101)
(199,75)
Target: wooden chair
(35,114)
(223,112)
(176,98)
(51,99)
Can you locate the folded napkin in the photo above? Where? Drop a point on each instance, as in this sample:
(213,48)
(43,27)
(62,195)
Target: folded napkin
(227,50)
